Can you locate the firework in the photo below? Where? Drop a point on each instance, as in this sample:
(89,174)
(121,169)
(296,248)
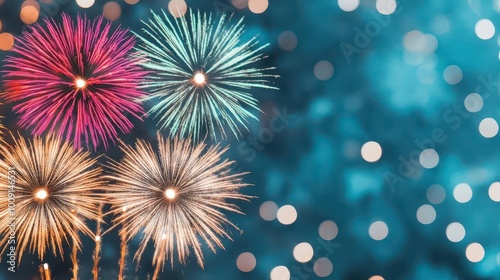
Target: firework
(173,196)
(80,80)
(54,187)
(203,73)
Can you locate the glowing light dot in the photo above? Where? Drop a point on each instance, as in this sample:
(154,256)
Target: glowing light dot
(163,236)
(80,83)
(30,12)
(488,128)
(246,262)
(97,238)
(376,277)
(474,252)
(268,210)
(426,214)
(484,29)
(436,194)
(177,8)
(45,266)
(85,3)
(378,230)
(199,78)
(323,70)
(462,193)
(453,74)
(328,230)
(258,6)
(371,151)
(348,5)
(131,2)
(287,214)
(41,194)
(429,158)
(455,232)
(280,273)
(240,4)
(6,41)
(323,267)
(112,10)
(303,252)
(494,191)
(287,41)
(170,193)
(386,7)
(473,102)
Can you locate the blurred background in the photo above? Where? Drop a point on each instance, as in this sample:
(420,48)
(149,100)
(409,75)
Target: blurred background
(376,159)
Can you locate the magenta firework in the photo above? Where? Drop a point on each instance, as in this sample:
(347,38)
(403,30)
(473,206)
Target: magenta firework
(79,80)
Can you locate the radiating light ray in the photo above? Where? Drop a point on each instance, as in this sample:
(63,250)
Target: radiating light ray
(46,221)
(202,183)
(78,80)
(203,73)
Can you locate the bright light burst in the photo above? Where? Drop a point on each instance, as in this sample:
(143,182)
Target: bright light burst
(173,196)
(54,188)
(203,73)
(77,79)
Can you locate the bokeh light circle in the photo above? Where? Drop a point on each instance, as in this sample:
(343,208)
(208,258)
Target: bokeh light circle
(429,158)
(268,210)
(426,214)
(455,232)
(484,29)
(258,6)
(323,267)
(378,230)
(488,128)
(303,252)
(280,273)
(348,5)
(436,194)
(246,262)
(112,10)
(287,214)
(473,102)
(328,230)
(494,191)
(371,151)
(474,252)
(323,70)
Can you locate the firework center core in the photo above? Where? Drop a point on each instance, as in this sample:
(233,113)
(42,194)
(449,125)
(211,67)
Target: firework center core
(170,194)
(199,78)
(80,83)
(41,194)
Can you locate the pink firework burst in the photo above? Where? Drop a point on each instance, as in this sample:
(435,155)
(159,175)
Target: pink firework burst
(77,80)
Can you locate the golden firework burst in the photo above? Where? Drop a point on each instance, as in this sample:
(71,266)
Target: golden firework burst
(51,190)
(173,196)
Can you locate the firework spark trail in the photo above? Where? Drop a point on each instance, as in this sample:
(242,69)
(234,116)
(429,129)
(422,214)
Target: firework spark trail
(78,80)
(185,187)
(55,185)
(203,73)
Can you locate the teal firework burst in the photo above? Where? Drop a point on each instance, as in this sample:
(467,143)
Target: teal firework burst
(204,73)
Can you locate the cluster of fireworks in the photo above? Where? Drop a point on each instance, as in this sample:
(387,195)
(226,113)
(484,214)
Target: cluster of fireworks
(79,82)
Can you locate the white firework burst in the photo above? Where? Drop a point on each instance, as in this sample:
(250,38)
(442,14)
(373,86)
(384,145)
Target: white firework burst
(203,73)
(173,196)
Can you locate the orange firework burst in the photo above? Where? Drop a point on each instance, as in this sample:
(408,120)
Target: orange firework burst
(173,195)
(52,187)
